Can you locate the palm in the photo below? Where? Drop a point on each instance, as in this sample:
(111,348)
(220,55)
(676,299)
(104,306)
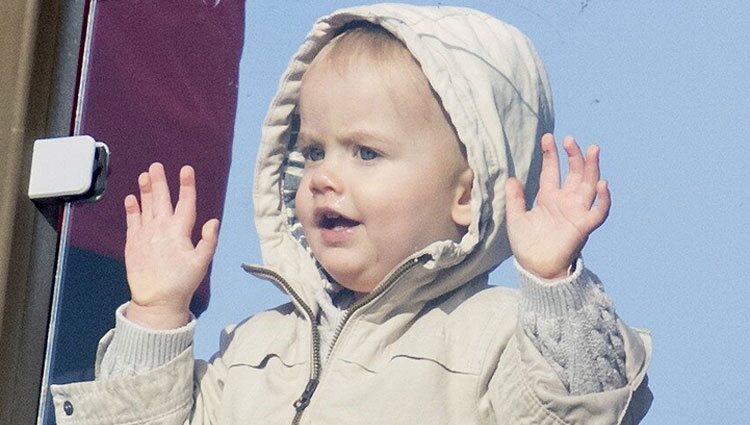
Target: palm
(163,266)
(546,239)
(159,265)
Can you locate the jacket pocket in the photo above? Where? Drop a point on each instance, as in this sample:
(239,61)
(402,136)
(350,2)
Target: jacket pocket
(453,354)
(268,336)
(260,354)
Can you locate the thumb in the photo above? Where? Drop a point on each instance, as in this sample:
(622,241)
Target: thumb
(209,238)
(515,204)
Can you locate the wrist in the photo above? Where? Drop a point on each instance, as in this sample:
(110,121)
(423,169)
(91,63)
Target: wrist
(157,317)
(550,274)
(563,274)
(555,298)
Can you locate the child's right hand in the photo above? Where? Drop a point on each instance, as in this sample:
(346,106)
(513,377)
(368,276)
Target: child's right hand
(163,267)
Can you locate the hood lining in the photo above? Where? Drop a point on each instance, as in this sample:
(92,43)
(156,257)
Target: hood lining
(291,174)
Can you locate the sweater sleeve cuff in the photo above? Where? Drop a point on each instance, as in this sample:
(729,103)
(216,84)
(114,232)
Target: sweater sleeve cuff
(560,297)
(135,349)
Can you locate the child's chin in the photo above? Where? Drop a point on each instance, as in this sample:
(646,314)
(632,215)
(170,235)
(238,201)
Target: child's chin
(353,285)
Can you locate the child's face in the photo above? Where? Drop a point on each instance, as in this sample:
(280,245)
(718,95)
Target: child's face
(384,175)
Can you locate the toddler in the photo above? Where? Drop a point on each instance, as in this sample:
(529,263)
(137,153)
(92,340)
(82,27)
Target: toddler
(397,162)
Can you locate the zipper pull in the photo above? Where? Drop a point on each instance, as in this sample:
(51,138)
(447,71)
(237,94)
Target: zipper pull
(304,399)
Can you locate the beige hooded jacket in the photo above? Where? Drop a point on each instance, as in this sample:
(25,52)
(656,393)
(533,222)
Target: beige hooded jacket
(433,343)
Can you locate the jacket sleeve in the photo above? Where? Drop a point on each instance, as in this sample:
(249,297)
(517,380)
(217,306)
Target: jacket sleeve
(134,349)
(180,391)
(533,379)
(572,322)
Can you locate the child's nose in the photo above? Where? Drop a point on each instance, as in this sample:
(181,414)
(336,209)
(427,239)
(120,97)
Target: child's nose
(325,178)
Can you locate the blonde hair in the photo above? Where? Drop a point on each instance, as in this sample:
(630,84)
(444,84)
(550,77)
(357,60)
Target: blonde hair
(365,40)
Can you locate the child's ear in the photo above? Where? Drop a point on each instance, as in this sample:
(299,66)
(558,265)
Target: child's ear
(461,211)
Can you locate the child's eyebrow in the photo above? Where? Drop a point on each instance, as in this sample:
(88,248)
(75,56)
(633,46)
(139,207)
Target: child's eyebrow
(304,138)
(367,136)
(352,137)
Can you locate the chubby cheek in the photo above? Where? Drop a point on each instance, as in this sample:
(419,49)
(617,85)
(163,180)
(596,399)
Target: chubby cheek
(400,227)
(303,204)
(418,217)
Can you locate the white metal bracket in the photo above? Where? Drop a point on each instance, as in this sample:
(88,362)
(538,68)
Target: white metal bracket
(69,169)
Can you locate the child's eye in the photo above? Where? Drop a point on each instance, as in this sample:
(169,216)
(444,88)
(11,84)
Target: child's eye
(366,153)
(313,153)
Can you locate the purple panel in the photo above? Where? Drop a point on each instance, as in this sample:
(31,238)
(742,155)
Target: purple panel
(161,86)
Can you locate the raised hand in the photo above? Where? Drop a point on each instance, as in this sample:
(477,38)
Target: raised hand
(163,266)
(547,239)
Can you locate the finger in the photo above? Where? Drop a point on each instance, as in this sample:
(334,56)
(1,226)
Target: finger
(185,208)
(209,238)
(587,186)
(604,202)
(132,213)
(591,167)
(144,185)
(575,161)
(162,203)
(515,203)
(549,179)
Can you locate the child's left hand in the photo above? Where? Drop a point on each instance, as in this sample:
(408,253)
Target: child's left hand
(548,238)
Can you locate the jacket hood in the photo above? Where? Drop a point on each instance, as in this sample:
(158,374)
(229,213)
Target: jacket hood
(495,90)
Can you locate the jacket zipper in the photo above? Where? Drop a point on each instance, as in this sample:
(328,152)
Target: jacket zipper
(395,276)
(312,384)
(304,399)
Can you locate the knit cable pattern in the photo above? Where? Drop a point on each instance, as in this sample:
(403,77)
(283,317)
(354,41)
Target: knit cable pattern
(573,324)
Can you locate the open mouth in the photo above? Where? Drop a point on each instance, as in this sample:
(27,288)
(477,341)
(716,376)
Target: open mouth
(333,221)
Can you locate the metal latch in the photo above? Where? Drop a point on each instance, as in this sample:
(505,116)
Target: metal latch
(69,169)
